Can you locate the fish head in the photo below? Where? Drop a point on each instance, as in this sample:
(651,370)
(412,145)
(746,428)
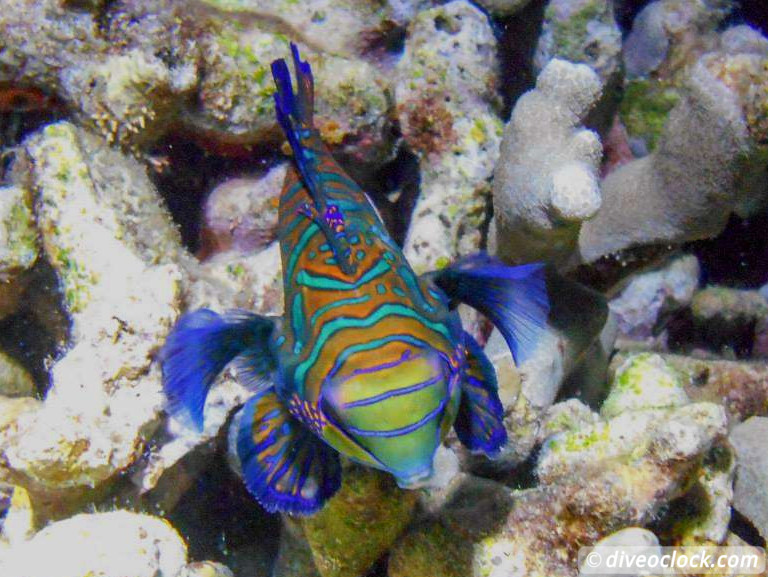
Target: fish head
(393,415)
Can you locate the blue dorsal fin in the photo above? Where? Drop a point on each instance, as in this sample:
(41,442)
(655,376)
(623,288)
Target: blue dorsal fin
(295,115)
(514,298)
(480,421)
(199,347)
(286,467)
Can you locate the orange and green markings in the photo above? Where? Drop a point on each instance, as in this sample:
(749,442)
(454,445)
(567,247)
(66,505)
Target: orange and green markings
(395,410)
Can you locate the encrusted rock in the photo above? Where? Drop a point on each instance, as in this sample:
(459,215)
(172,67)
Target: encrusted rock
(368,504)
(708,162)
(344,27)
(125,91)
(644,381)
(15,381)
(546,182)
(577,317)
(666,32)
(241,213)
(18,245)
(649,296)
(105,395)
(726,317)
(109,544)
(235,104)
(749,439)
(294,557)
(205,569)
(741,387)
(588,496)
(503,7)
(445,92)
(635,539)
(582,31)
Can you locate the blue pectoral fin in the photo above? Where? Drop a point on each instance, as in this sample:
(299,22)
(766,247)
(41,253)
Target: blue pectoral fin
(286,467)
(480,420)
(199,347)
(514,298)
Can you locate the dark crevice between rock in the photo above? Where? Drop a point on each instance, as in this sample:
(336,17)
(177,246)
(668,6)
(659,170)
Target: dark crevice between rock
(185,173)
(37,334)
(221,521)
(23,110)
(745,530)
(394,189)
(519,35)
(737,257)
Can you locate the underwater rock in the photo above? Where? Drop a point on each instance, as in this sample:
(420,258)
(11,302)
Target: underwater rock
(582,32)
(576,319)
(18,523)
(750,499)
(644,381)
(294,557)
(205,569)
(741,387)
(241,213)
(706,163)
(446,99)
(343,27)
(650,296)
(503,8)
(546,181)
(235,105)
(443,545)
(632,539)
(565,416)
(105,397)
(255,281)
(18,245)
(109,544)
(585,495)
(709,501)
(666,32)
(126,92)
(368,503)
(726,317)
(15,381)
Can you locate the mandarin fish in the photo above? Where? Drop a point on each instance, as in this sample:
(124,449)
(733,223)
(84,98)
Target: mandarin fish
(369,360)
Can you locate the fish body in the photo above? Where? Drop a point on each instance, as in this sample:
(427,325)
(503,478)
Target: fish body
(369,360)
(374,353)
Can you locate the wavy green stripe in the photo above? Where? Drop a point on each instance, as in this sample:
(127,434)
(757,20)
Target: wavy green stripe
(339,303)
(306,236)
(332,327)
(327,283)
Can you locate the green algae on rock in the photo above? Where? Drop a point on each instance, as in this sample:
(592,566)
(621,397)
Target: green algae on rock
(18,245)
(333,26)
(644,381)
(235,102)
(368,503)
(15,381)
(446,105)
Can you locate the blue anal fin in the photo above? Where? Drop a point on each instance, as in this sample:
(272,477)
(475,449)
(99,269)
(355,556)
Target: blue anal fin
(200,346)
(480,420)
(286,467)
(514,298)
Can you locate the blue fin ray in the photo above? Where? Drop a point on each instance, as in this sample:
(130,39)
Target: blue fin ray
(514,298)
(285,466)
(480,420)
(201,345)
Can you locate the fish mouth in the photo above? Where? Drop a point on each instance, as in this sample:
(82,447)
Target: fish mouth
(416,479)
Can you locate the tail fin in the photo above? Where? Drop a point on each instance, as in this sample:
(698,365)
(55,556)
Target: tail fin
(201,344)
(514,298)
